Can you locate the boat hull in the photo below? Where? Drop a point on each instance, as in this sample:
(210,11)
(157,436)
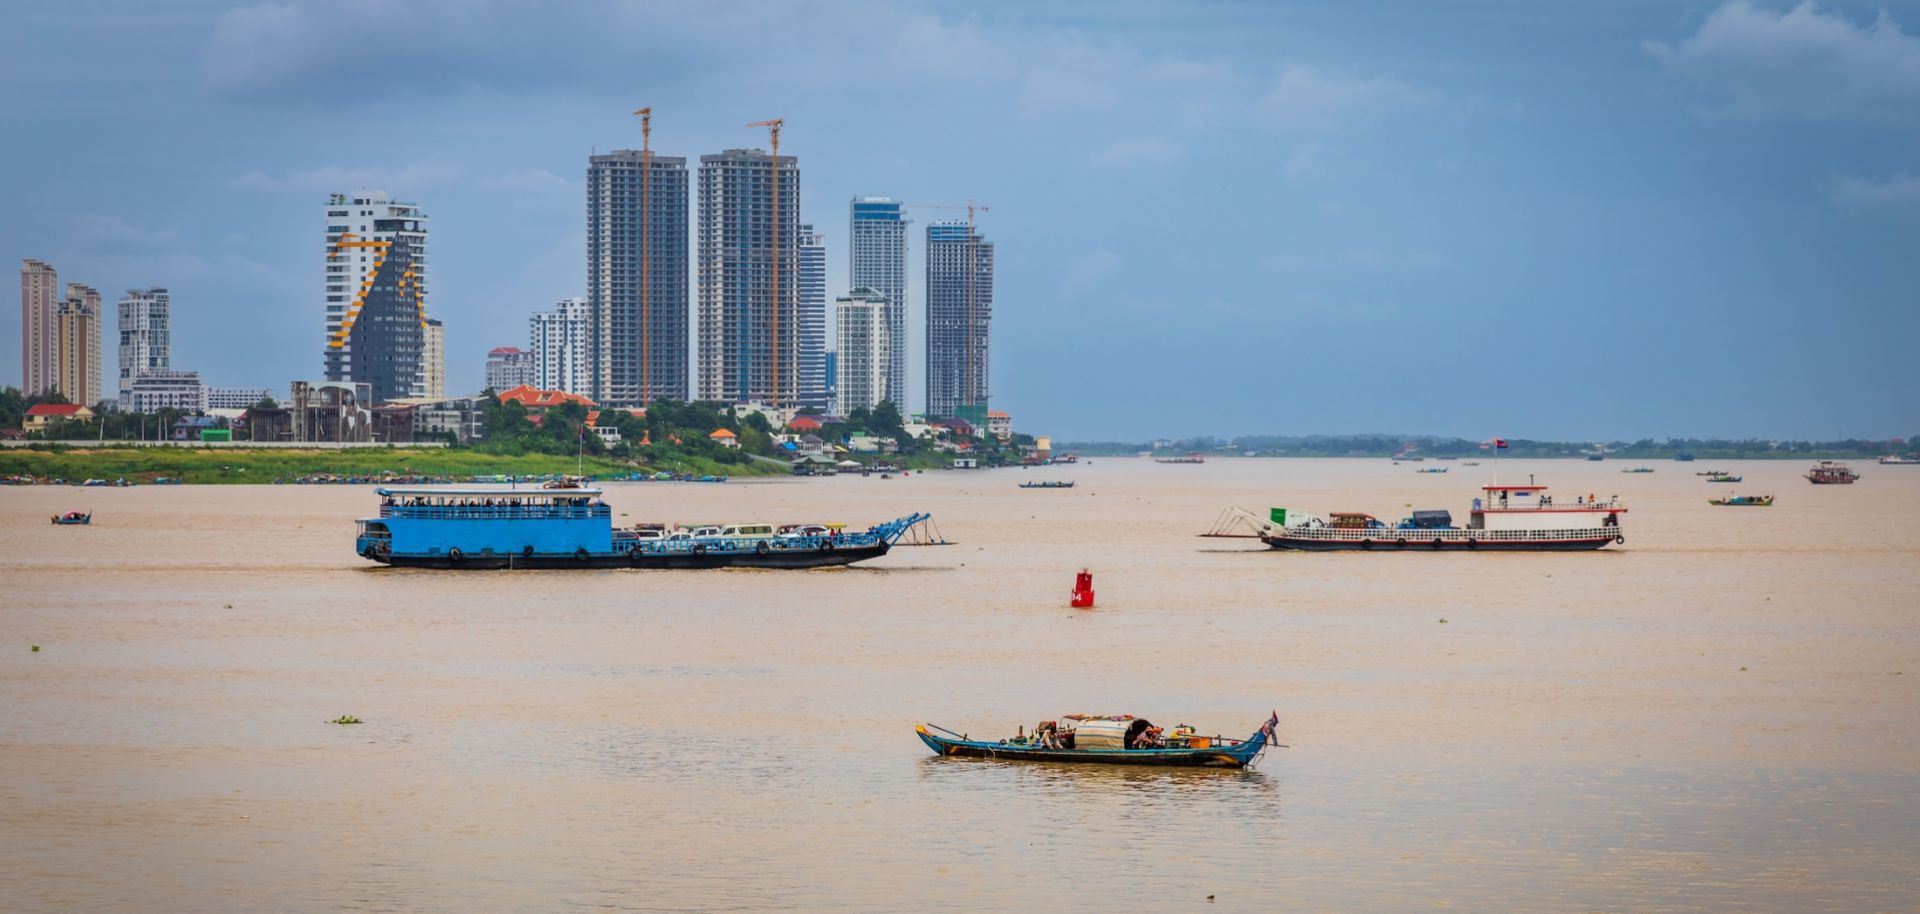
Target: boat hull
(812,558)
(1240,755)
(1431,543)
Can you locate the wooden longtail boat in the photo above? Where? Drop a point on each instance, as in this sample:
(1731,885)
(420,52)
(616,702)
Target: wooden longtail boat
(1104,740)
(1724,477)
(73,517)
(1048,484)
(1743,501)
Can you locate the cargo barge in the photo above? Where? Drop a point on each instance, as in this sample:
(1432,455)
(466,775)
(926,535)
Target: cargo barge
(1505,519)
(442,527)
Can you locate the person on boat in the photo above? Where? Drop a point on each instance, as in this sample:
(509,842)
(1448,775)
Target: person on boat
(1149,738)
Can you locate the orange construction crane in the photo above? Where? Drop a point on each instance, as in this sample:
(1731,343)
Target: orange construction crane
(646,256)
(773,127)
(966,394)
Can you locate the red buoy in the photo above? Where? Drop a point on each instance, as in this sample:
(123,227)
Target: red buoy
(1083,590)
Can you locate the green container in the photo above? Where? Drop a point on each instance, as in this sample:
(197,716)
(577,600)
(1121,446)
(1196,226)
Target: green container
(1278,516)
(216,434)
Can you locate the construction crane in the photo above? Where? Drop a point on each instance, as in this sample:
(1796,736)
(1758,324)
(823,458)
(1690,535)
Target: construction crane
(966,394)
(646,255)
(773,126)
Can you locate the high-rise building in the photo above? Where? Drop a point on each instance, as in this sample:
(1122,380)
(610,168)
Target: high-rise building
(77,339)
(863,349)
(433,360)
(959,318)
(562,348)
(39,343)
(509,367)
(748,319)
(145,337)
(812,276)
(877,259)
(637,277)
(376,299)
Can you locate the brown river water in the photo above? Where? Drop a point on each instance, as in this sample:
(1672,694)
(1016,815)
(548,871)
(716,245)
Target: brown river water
(1721,715)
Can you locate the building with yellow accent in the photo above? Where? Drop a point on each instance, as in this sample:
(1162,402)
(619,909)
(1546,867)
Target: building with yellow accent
(376,294)
(77,345)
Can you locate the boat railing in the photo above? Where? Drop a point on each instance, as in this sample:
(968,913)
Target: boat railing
(880,534)
(1577,503)
(1454,534)
(496,512)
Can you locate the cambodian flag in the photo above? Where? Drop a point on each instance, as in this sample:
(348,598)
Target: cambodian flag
(1500,443)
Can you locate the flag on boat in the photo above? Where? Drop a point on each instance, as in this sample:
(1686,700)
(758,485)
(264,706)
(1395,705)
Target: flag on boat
(1500,444)
(1271,724)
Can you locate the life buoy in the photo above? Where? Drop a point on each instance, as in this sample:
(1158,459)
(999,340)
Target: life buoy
(1400,542)
(826,546)
(762,549)
(700,549)
(1621,539)
(1366,544)
(1437,543)
(580,554)
(455,554)
(1473,544)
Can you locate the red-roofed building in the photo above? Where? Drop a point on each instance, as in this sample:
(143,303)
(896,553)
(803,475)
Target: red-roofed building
(805,424)
(40,414)
(534,398)
(725,438)
(999,424)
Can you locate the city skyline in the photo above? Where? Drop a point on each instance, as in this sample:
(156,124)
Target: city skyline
(1191,194)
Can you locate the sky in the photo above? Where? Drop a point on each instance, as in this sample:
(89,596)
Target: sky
(1573,220)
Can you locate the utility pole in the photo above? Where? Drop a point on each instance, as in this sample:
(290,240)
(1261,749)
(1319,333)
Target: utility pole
(773,127)
(646,255)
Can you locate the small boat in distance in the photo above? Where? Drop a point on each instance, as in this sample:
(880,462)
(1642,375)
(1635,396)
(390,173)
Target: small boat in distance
(1743,501)
(1892,460)
(1638,470)
(1048,484)
(1711,473)
(73,517)
(1432,470)
(1186,458)
(1683,457)
(1108,739)
(1723,477)
(1831,473)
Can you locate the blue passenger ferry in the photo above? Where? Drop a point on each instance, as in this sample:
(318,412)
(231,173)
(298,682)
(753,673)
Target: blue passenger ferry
(444,527)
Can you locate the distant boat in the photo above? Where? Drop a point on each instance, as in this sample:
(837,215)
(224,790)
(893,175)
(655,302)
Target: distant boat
(1723,477)
(1432,470)
(1893,461)
(1188,458)
(1743,501)
(73,517)
(1831,473)
(1638,470)
(1596,456)
(1048,484)
(1683,457)
(1115,739)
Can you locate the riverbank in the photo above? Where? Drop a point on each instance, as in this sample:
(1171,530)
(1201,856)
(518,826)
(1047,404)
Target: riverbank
(233,466)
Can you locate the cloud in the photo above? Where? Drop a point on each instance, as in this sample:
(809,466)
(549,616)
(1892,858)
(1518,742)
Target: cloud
(530,179)
(340,178)
(97,234)
(1802,62)
(1147,152)
(1307,97)
(1350,260)
(1089,271)
(1301,161)
(1901,190)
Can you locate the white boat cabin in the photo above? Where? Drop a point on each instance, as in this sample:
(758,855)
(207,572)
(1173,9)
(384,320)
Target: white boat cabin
(1531,507)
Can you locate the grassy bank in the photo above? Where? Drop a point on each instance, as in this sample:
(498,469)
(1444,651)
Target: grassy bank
(234,465)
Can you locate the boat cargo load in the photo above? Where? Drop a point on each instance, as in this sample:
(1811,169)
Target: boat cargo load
(1432,520)
(1108,733)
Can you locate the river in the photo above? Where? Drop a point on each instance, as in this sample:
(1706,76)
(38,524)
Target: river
(1720,715)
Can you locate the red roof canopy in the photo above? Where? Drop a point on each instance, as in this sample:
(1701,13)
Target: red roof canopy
(54,409)
(532,397)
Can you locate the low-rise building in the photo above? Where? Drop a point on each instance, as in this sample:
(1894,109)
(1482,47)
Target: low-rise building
(39,416)
(166,388)
(725,438)
(235,397)
(999,424)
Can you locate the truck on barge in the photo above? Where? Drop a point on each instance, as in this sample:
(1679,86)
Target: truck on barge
(445,527)
(1506,518)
